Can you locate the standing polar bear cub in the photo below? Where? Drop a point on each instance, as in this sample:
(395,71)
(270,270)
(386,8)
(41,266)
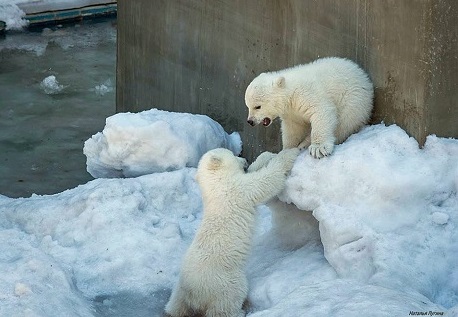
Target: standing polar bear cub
(320,104)
(212,280)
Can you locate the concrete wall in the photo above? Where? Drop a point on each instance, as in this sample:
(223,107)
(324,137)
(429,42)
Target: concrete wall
(199,56)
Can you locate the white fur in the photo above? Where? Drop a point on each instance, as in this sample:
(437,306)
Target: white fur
(320,104)
(212,279)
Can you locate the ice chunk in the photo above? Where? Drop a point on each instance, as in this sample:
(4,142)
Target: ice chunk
(440,218)
(51,86)
(104,88)
(21,289)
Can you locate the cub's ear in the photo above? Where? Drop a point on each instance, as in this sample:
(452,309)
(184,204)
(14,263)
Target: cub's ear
(214,163)
(279,82)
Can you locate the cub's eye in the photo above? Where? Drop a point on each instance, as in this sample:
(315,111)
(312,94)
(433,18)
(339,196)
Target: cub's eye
(257,107)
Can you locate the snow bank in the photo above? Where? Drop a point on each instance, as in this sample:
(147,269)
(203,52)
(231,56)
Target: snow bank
(385,242)
(60,254)
(133,144)
(387,210)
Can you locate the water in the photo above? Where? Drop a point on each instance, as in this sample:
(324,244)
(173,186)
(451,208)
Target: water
(43,129)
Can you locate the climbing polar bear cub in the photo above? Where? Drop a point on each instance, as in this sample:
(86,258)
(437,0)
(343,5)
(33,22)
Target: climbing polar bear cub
(212,280)
(320,104)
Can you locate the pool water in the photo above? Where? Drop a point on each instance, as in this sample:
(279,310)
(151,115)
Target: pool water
(43,127)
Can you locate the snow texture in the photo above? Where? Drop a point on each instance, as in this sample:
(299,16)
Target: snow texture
(102,238)
(51,86)
(12,15)
(386,208)
(381,217)
(134,144)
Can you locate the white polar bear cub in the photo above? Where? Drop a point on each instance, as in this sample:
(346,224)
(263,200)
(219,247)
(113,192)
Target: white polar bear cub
(212,280)
(320,104)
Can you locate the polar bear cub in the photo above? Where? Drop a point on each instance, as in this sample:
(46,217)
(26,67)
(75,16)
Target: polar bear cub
(319,104)
(212,280)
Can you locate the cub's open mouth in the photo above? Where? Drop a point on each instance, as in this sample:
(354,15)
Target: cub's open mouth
(266,122)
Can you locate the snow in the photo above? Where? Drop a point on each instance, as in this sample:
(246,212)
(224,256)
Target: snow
(91,241)
(440,218)
(134,144)
(51,86)
(387,210)
(12,15)
(375,235)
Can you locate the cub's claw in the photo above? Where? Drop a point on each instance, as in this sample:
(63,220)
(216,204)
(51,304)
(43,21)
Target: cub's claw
(320,150)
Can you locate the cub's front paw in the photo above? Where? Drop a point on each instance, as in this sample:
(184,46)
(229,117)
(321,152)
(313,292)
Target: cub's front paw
(263,159)
(304,144)
(288,154)
(319,150)
(288,157)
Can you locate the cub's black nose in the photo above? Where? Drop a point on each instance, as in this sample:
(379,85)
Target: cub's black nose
(250,122)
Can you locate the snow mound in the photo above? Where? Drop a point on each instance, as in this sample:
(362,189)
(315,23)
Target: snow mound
(62,254)
(134,144)
(387,210)
(381,238)
(12,16)
(51,86)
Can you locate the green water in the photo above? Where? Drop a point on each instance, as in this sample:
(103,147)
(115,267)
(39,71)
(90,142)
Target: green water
(42,135)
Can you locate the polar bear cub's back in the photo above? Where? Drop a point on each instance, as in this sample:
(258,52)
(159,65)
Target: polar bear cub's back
(349,88)
(344,83)
(320,103)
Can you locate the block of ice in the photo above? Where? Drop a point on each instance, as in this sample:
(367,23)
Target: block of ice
(51,86)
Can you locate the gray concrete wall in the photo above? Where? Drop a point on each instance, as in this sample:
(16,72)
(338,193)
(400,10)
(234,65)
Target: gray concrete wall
(199,56)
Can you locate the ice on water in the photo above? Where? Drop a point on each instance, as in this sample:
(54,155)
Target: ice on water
(51,86)
(374,231)
(104,88)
